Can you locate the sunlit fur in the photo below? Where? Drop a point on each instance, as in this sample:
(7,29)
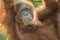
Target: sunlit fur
(37,30)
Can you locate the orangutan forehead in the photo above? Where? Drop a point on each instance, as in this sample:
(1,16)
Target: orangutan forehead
(24,6)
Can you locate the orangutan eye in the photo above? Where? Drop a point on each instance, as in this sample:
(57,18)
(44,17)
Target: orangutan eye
(26,8)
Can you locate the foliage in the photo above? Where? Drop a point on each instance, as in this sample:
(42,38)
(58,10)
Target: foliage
(15,1)
(35,3)
(2,36)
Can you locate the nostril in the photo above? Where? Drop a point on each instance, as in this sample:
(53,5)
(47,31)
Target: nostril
(26,14)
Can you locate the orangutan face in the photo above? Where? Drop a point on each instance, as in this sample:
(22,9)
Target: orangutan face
(26,14)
